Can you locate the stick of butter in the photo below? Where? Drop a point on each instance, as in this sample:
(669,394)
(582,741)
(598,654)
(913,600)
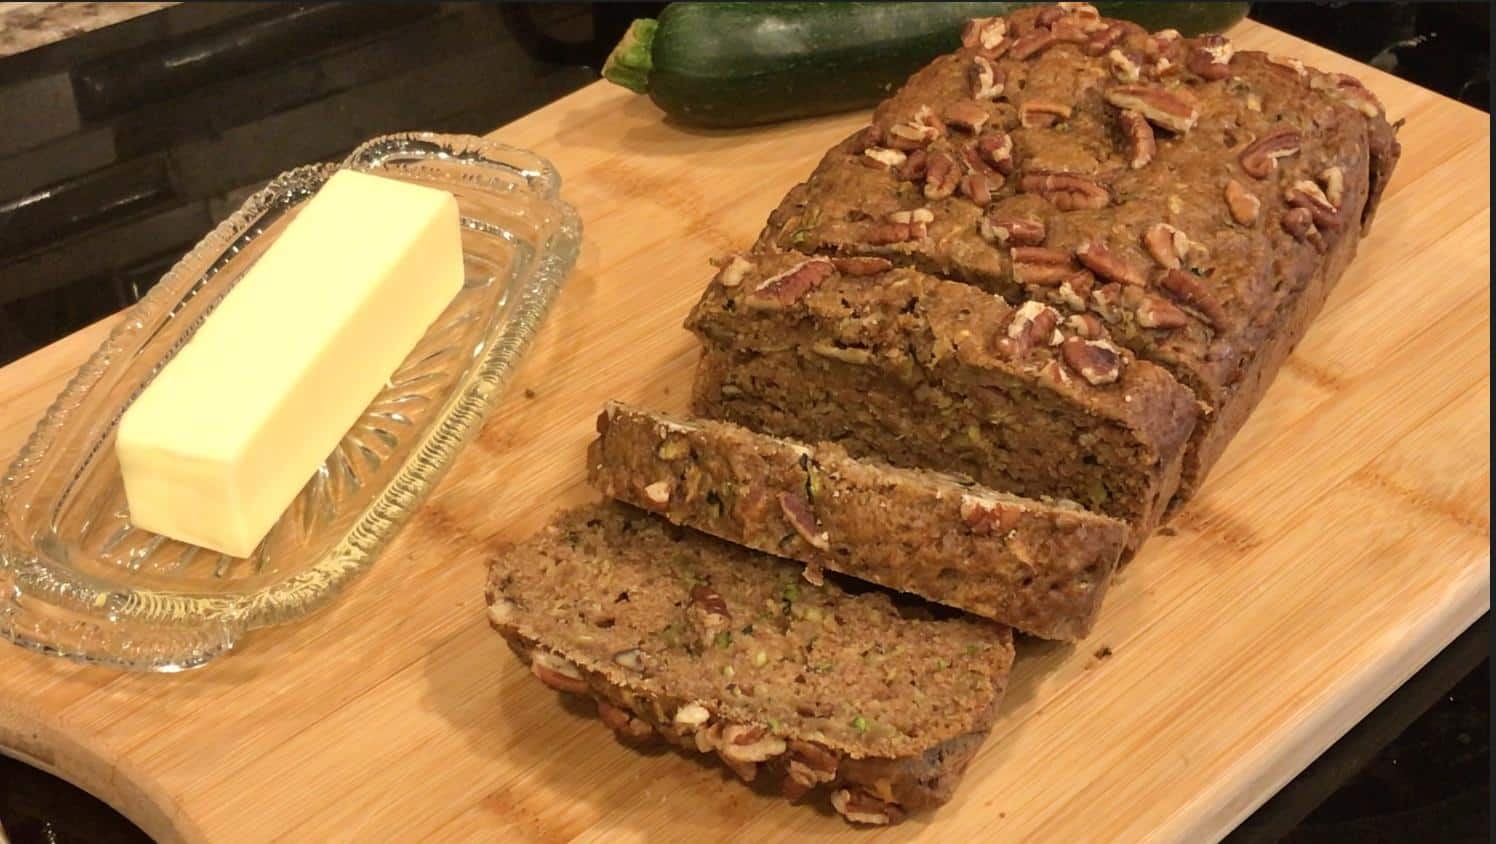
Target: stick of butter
(216,447)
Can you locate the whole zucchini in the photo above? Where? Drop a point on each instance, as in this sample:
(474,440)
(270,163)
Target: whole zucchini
(740,64)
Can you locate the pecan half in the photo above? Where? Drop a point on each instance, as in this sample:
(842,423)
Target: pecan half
(862,266)
(557,673)
(883,157)
(984,80)
(967,115)
(1243,204)
(623,723)
(1154,312)
(732,273)
(1042,113)
(1125,66)
(743,743)
(861,807)
(1100,260)
(1141,144)
(1260,158)
(1172,110)
(1086,326)
(1306,194)
(803,519)
(1210,57)
(1168,245)
(789,286)
(1039,265)
(1066,191)
(977,187)
(984,33)
(1189,291)
(1008,230)
(914,166)
(1105,39)
(1097,361)
(941,175)
(808,765)
(1032,44)
(1072,30)
(1333,179)
(996,148)
(985,517)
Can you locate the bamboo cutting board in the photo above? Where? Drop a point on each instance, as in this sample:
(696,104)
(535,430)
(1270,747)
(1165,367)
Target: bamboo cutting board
(1341,542)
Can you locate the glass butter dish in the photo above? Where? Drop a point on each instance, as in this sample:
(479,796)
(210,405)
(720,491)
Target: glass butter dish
(78,580)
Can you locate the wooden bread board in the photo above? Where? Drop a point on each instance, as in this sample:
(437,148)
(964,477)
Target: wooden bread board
(1340,543)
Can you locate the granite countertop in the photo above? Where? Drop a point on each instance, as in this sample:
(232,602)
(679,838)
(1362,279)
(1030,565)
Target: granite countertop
(26,26)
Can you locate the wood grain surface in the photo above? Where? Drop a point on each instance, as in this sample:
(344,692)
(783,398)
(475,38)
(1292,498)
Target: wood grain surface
(1340,543)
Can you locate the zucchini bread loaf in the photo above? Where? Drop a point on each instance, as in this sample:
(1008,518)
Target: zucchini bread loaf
(1199,202)
(1039,566)
(681,637)
(897,365)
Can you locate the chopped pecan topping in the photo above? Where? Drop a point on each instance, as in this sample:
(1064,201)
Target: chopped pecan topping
(802,518)
(1066,191)
(1032,324)
(1032,44)
(1243,204)
(557,673)
(1299,222)
(941,175)
(1139,138)
(996,148)
(1072,30)
(1348,90)
(1055,373)
(984,80)
(1075,290)
(915,166)
(984,33)
(1126,67)
(1097,361)
(1080,11)
(1189,291)
(900,226)
(732,272)
(1039,265)
(1260,158)
(1008,230)
(1306,194)
(968,115)
(789,286)
(658,494)
(985,517)
(862,266)
(1105,39)
(913,216)
(1086,326)
(884,157)
(977,187)
(1168,245)
(1042,113)
(1210,58)
(1047,16)
(1154,312)
(623,722)
(1172,110)
(742,743)
(917,131)
(861,807)
(1333,179)
(1102,261)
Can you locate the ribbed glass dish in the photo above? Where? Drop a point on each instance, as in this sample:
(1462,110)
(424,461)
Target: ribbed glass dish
(78,580)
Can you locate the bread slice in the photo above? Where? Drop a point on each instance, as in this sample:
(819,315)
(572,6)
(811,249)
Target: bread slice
(1039,566)
(716,648)
(894,364)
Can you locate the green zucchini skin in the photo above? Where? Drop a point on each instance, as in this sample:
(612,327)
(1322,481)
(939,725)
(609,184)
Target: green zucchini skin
(732,64)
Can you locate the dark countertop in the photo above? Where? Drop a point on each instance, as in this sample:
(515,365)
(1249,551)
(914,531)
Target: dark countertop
(121,146)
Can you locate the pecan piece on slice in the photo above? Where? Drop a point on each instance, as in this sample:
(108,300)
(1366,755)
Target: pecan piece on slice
(623,723)
(1141,144)
(690,716)
(1040,265)
(1105,39)
(1086,326)
(1046,18)
(977,187)
(883,157)
(1066,191)
(1292,65)
(658,495)
(1190,292)
(1042,113)
(1008,230)
(1210,57)
(1154,312)
(1125,66)
(1168,245)
(1075,290)
(967,115)
(861,807)
(1080,11)
(917,131)
(984,80)
(1072,30)
(1166,109)
(1100,260)
(1243,204)
(984,33)
(917,219)
(1032,325)
(557,673)
(808,765)
(1306,194)
(631,659)
(1055,373)
(1260,158)
(1299,222)
(707,601)
(789,286)
(942,174)
(1333,180)
(802,518)
(733,270)
(1032,44)
(914,166)
(862,265)
(996,148)
(1097,361)
(1348,90)
(984,517)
